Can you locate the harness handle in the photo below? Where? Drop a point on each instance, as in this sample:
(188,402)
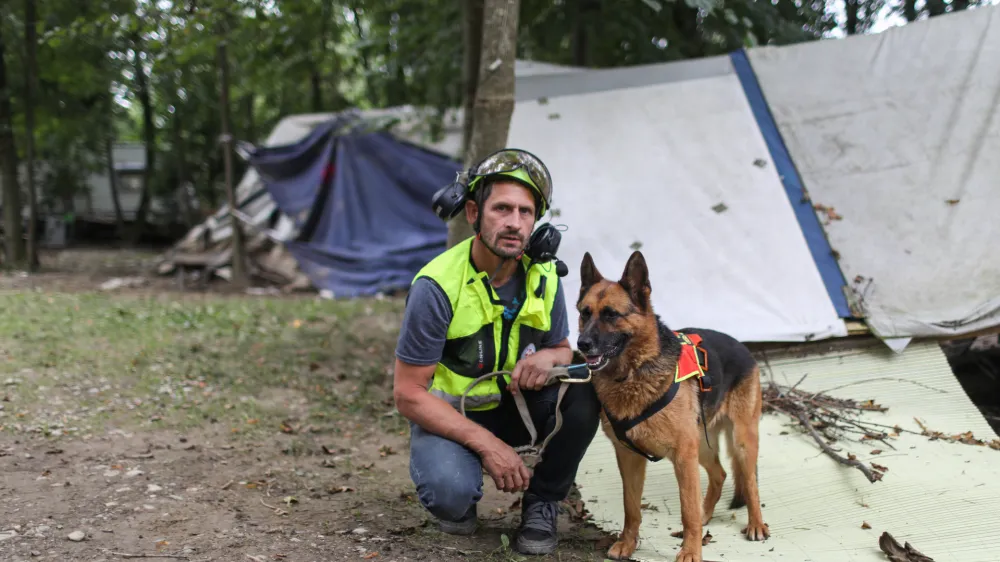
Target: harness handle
(565,375)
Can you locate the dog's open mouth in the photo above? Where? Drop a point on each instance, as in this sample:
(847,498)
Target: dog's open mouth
(596,362)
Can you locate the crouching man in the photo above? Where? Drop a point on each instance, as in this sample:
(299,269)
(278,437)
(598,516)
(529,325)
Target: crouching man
(481,306)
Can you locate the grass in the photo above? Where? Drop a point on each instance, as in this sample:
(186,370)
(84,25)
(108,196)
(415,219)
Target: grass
(79,362)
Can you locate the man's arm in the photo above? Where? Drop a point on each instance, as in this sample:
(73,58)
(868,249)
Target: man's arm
(421,341)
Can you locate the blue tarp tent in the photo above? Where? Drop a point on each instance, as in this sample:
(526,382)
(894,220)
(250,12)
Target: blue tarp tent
(360,198)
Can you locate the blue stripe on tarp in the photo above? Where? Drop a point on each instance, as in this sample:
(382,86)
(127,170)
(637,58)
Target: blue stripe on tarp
(819,246)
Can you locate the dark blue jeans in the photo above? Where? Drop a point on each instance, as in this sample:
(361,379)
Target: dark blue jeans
(449,477)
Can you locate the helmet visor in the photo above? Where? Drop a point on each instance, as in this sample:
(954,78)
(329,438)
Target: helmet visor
(509,160)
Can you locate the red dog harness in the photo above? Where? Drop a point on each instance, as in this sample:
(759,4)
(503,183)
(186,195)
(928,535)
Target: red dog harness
(693,362)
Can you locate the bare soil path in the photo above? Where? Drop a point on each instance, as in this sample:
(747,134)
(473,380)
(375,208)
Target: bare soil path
(142,421)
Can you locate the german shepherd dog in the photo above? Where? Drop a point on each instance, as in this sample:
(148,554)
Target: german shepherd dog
(634,356)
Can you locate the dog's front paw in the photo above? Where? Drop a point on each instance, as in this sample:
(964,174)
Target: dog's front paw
(688,555)
(757,531)
(622,549)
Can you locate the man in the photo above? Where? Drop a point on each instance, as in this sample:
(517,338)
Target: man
(479,307)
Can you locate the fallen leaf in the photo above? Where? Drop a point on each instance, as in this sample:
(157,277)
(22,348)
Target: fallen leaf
(371,555)
(952,201)
(677,534)
(386,450)
(880,467)
(898,553)
(340,489)
(877,452)
(706,539)
(865,525)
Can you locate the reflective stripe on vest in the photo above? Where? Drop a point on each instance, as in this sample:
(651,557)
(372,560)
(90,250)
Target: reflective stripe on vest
(475,344)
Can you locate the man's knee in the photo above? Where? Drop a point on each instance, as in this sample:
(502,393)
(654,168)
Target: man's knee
(447,497)
(448,476)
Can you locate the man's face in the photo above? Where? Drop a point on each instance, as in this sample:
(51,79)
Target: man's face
(508,216)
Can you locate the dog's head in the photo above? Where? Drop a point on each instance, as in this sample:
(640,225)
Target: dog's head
(612,313)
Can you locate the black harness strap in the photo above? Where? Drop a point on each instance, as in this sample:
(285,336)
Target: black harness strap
(620,427)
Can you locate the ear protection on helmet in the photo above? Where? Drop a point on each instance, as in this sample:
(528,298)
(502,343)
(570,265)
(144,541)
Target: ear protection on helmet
(449,201)
(543,245)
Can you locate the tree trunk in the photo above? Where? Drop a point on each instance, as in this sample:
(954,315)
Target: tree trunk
(317,62)
(935,8)
(851,9)
(180,159)
(494,103)
(239,263)
(30,72)
(250,128)
(580,44)
(13,234)
(113,180)
(910,10)
(472,36)
(686,20)
(149,138)
(369,85)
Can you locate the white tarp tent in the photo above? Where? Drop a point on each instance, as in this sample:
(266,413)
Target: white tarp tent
(669,158)
(899,133)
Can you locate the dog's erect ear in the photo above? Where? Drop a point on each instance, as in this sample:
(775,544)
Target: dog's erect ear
(588,275)
(635,280)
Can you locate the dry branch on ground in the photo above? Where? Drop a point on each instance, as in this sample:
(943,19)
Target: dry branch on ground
(830,420)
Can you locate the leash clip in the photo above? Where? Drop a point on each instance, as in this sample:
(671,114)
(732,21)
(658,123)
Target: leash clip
(570,373)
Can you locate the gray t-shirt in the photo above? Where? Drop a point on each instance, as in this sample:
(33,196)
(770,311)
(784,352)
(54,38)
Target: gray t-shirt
(428,314)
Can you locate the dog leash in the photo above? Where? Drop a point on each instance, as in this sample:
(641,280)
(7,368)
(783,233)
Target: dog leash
(565,375)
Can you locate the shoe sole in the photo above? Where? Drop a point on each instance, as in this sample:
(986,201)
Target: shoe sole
(535,547)
(463,529)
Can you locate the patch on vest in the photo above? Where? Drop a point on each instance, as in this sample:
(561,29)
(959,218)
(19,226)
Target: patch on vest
(528,350)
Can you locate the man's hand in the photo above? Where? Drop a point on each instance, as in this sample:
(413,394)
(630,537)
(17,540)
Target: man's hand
(532,371)
(504,466)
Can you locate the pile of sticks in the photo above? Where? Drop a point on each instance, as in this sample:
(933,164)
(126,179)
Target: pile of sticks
(829,420)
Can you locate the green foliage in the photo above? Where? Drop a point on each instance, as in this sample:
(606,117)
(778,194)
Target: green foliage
(297,56)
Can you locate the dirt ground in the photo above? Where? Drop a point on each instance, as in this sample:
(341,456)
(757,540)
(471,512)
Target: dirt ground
(144,421)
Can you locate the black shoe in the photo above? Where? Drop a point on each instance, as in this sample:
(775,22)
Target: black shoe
(464,526)
(537,534)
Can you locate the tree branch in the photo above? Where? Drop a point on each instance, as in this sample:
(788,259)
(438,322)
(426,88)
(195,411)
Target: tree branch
(804,420)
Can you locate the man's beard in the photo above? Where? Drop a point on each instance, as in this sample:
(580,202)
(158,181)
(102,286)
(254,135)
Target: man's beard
(505,252)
